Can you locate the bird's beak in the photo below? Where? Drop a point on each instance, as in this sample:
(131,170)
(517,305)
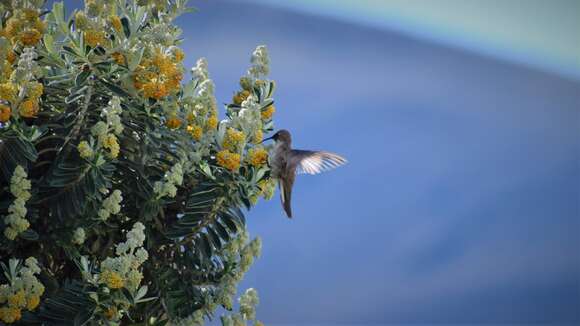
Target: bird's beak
(267,139)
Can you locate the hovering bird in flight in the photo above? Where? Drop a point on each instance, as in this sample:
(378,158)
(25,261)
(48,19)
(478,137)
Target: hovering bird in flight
(287,162)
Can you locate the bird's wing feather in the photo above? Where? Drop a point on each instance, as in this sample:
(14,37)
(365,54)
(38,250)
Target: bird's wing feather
(286,184)
(313,162)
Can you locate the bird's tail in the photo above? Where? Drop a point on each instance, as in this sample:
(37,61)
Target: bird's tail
(286,196)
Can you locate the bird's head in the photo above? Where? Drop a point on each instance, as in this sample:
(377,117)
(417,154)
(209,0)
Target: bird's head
(282,135)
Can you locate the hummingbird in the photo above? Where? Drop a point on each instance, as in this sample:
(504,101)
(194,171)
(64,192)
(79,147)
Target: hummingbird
(286,162)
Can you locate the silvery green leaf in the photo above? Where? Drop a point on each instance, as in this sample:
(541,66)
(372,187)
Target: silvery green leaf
(259,174)
(49,43)
(188,89)
(141,292)
(13,263)
(36,133)
(58,11)
(59,14)
(146,300)
(135,58)
(206,169)
(140,17)
(100,161)
(269,126)
(85,263)
(266,104)
(271,89)
(94,296)
(73,97)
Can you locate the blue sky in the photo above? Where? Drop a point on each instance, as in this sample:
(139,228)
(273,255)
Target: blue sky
(460,202)
(537,33)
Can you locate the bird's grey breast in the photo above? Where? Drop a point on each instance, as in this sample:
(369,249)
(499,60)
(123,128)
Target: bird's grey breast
(279,159)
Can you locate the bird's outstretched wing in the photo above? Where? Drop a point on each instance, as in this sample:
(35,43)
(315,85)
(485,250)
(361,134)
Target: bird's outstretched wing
(313,162)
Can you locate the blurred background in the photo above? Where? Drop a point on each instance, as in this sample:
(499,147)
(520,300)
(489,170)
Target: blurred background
(461,124)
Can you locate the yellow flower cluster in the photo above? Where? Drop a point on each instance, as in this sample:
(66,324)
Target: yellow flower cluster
(178,54)
(258,136)
(195,131)
(8,92)
(244,253)
(24,27)
(257,156)
(81,20)
(267,188)
(5,113)
(94,37)
(85,150)
(171,179)
(23,291)
(10,314)
(228,160)
(248,302)
(199,103)
(112,145)
(118,57)
(22,30)
(111,205)
(7,58)
(173,122)
(233,139)
(241,96)
(268,112)
(106,132)
(112,279)
(97,24)
(20,188)
(212,122)
(34,90)
(111,313)
(158,76)
(246,83)
(11,102)
(115,22)
(123,270)
(28,108)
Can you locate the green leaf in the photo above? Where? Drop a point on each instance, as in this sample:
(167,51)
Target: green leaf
(222,232)
(82,77)
(203,243)
(214,238)
(114,88)
(70,304)
(99,50)
(14,150)
(49,43)
(83,317)
(29,235)
(135,58)
(126,27)
(141,292)
(70,50)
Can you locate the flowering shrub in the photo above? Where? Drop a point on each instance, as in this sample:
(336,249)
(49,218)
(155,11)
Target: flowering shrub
(119,187)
